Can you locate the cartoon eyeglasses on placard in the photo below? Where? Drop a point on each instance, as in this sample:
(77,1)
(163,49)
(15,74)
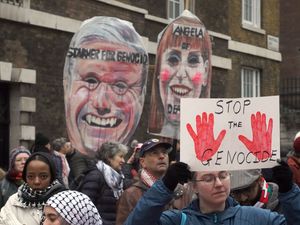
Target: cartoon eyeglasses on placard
(183,70)
(105,79)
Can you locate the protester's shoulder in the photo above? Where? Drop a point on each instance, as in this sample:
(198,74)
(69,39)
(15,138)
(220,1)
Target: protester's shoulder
(137,187)
(93,174)
(13,201)
(254,212)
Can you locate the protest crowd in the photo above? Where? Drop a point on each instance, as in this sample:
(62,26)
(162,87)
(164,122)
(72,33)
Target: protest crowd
(113,180)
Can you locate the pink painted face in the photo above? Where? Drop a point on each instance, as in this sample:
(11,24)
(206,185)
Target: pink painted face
(182,75)
(104,101)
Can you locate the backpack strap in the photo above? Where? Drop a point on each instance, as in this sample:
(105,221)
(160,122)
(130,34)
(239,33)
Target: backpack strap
(183,218)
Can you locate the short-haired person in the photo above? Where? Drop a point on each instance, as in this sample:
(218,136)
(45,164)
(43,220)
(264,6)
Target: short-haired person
(105,78)
(40,183)
(182,70)
(154,161)
(213,205)
(105,183)
(71,208)
(61,147)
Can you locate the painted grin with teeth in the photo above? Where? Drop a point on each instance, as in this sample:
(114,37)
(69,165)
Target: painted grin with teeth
(110,122)
(180,90)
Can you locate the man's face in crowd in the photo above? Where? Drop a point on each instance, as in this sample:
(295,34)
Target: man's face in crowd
(155,161)
(103,101)
(248,196)
(183,72)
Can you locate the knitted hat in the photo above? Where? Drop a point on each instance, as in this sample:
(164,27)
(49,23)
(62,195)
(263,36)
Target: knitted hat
(241,179)
(13,154)
(297,143)
(75,207)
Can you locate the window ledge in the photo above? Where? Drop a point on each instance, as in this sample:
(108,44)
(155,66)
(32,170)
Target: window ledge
(252,28)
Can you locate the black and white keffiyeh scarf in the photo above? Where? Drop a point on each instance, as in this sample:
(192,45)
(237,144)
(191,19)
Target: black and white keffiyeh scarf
(147,177)
(75,207)
(37,198)
(113,179)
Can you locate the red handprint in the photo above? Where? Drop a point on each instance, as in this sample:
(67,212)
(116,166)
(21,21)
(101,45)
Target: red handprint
(205,144)
(260,146)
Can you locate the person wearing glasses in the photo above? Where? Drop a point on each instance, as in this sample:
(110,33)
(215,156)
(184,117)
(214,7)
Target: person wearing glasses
(212,206)
(250,188)
(105,78)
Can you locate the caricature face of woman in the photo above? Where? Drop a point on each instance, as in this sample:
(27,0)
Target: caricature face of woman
(182,75)
(104,101)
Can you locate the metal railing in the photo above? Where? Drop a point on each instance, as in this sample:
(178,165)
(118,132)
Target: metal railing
(290,93)
(13,2)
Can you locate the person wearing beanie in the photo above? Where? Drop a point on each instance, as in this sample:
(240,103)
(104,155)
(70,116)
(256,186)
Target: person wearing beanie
(13,178)
(71,208)
(293,159)
(40,183)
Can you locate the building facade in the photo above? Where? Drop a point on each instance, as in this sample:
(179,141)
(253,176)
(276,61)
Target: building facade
(35,36)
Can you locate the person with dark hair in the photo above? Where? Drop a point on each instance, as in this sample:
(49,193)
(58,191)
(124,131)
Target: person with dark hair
(40,183)
(42,144)
(13,178)
(104,184)
(71,208)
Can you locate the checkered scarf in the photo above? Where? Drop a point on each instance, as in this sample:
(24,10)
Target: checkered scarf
(37,198)
(75,207)
(113,179)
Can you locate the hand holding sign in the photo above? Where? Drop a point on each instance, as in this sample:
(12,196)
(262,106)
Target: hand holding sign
(205,143)
(260,146)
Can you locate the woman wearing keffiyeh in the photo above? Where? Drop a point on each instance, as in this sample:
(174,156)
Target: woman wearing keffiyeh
(40,183)
(71,208)
(104,183)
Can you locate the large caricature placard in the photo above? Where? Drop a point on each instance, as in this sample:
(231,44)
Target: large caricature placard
(230,134)
(105,79)
(182,70)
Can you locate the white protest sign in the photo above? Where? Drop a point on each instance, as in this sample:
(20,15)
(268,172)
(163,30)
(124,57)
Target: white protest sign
(230,134)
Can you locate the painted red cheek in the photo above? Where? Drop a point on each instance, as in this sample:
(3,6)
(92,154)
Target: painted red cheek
(122,105)
(164,75)
(197,78)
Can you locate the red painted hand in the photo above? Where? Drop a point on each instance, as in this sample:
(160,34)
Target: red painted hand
(260,146)
(205,144)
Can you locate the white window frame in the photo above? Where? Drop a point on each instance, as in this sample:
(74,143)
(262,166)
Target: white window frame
(250,82)
(19,3)
(173,14)
(251,13)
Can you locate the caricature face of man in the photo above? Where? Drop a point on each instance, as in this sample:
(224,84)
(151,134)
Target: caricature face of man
(182,75)
(103,103)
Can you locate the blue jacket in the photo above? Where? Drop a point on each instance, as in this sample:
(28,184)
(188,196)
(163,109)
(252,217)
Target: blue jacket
(149,211)
(290,203)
